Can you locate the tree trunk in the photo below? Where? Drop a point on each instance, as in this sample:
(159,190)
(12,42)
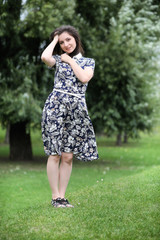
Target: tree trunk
(20,142)
(125,139)
(119,139)
(6,140)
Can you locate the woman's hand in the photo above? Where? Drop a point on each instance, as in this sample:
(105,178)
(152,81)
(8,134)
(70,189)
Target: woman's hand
(46,56)
(55,39)
(66,58)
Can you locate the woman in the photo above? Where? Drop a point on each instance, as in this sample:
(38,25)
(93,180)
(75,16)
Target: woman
(66,127)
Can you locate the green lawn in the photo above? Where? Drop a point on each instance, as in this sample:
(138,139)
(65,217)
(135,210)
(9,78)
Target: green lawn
(115,198)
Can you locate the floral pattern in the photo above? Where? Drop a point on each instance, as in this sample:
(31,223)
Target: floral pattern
(66,125)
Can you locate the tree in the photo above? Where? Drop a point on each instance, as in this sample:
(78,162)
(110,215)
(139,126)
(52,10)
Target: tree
(11,101)
(25,81)
(124,49)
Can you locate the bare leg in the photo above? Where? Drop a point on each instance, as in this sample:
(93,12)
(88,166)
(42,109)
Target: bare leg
(53,174)
(65,172)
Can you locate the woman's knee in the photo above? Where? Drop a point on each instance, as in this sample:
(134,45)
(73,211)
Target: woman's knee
(67,158)
(54,158)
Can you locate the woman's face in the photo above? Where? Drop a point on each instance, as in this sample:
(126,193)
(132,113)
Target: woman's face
(67,42)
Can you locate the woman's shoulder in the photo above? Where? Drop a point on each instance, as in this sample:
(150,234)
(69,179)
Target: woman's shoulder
(85,59)
(81,57)
(89,61)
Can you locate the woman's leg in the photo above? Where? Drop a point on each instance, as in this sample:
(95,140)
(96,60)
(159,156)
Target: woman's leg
(65,172)
(53,174)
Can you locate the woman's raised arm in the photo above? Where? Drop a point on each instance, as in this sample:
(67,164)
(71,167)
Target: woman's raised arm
(46,56)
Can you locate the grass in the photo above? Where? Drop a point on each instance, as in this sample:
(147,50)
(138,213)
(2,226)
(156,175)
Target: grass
(116,197)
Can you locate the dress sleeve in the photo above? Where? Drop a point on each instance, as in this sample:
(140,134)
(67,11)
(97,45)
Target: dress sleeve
(90,63)
(57,58)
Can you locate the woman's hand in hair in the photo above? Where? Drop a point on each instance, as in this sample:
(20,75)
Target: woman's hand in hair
(46,56)
(55,39)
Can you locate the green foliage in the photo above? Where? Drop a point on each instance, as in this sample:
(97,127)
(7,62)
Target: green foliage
(19,101)
(42,17)
(127,71)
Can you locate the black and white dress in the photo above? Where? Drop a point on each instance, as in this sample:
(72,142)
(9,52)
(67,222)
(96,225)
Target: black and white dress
(66,125)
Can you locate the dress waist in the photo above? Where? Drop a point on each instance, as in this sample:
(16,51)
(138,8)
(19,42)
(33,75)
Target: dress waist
(72,94)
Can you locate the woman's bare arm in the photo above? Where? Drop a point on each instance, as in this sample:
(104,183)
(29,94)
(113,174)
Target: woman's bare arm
(84,75)
(46,56)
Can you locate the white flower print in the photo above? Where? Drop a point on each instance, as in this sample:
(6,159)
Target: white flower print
(62,108)
(69,83)
(86,122)
(74,132)
(59,85)
(60,120)
(70,139)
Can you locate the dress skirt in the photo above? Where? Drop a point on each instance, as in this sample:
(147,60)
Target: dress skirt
(66,127)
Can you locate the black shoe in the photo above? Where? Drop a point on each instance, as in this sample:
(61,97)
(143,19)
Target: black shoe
(57,203)
(65,202)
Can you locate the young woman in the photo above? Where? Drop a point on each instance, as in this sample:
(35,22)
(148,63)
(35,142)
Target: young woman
(66,127)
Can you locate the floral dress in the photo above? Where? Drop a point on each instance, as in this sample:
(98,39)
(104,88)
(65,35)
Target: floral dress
(66,125)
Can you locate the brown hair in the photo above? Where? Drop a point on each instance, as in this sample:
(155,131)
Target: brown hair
(71,31)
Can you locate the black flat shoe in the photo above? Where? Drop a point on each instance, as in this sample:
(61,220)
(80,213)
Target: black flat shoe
(57,203)
(65,202)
